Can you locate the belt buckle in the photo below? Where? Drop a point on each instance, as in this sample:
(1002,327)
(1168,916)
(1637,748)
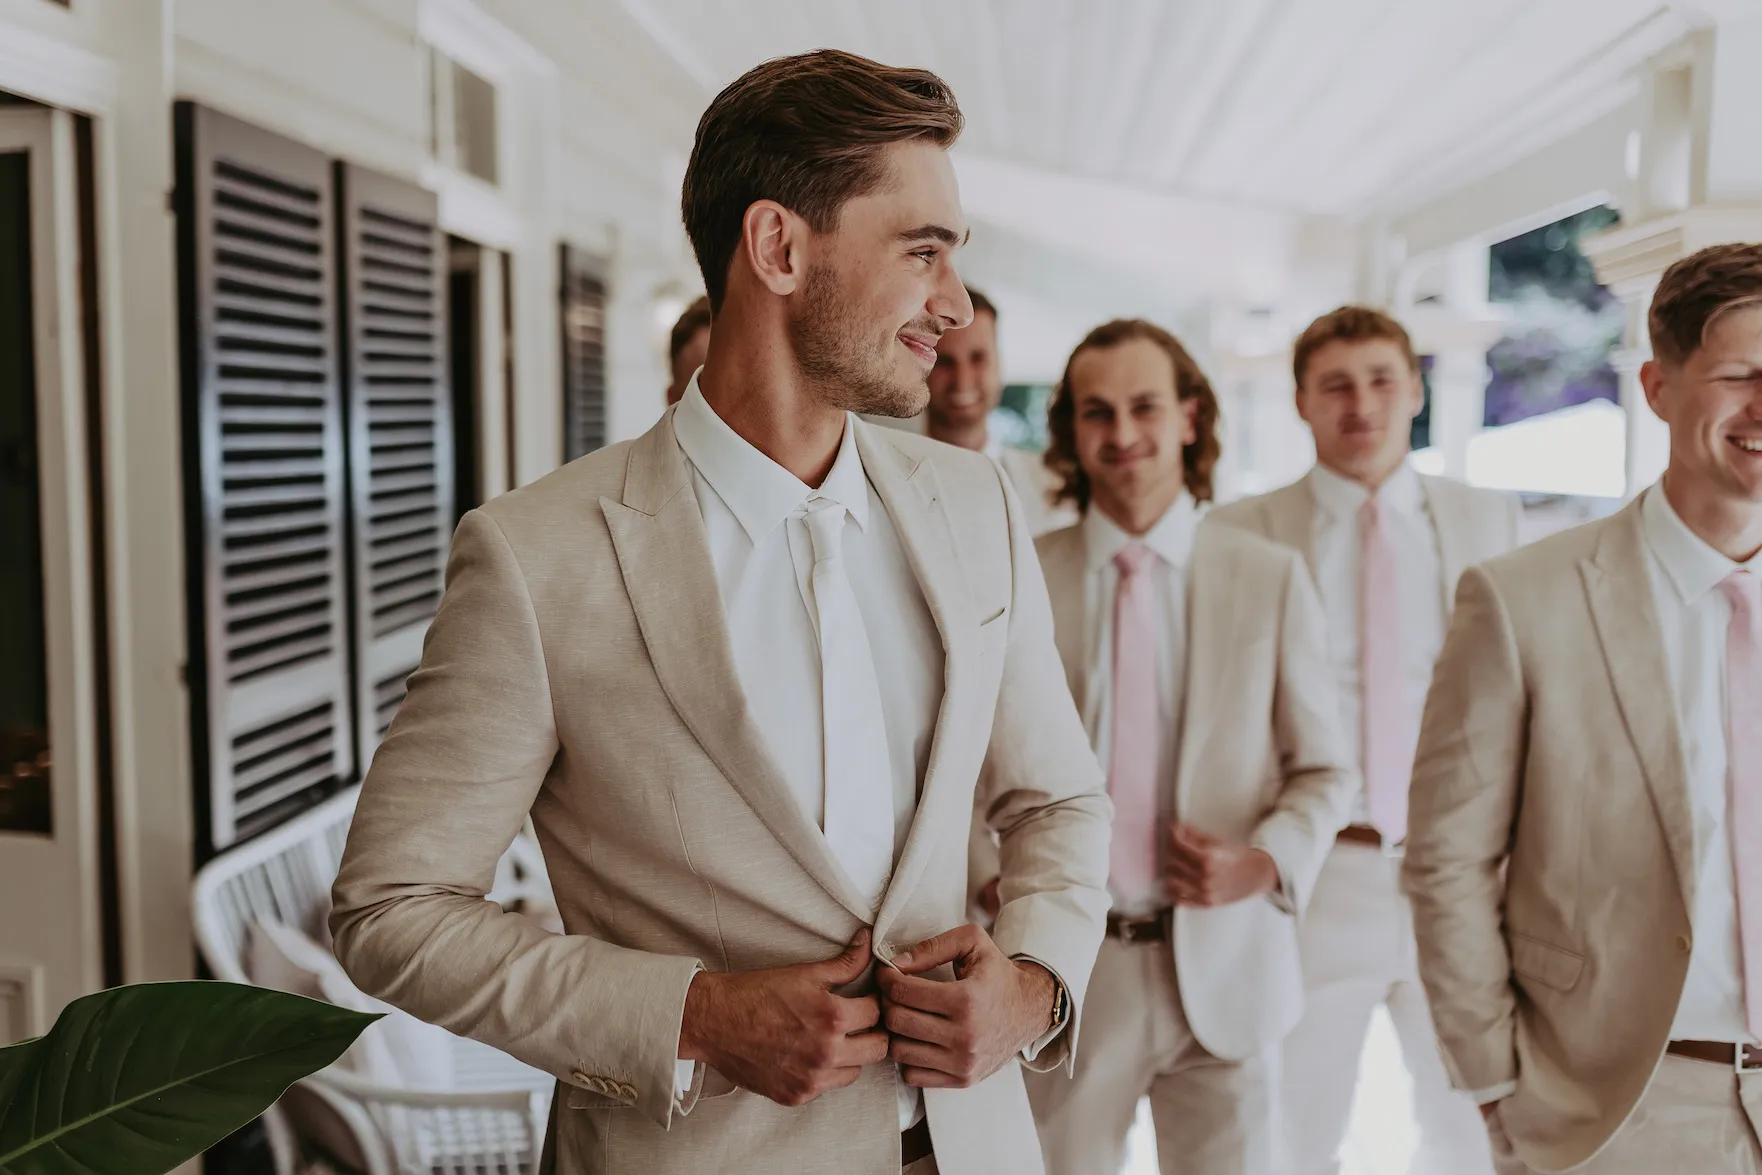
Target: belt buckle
(1746,1058)
(1129,929)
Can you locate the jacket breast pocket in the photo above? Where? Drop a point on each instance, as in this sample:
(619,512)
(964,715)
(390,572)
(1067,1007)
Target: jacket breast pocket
(1545,963)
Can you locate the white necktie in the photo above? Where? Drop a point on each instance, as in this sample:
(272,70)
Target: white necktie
(858,780)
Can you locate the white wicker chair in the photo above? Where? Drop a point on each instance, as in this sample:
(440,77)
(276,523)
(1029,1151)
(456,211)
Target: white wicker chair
(491,1123)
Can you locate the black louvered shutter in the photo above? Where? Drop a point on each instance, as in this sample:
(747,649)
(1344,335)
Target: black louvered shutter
(584,352)
(399,405)
(264,482)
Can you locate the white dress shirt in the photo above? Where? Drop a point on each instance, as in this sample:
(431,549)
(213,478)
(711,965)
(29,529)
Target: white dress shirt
(1694,616)
(1419,568)
(1171,541)
(764,561)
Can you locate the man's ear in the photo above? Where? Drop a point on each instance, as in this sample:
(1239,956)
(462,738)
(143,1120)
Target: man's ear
(771,240)
(1652,380)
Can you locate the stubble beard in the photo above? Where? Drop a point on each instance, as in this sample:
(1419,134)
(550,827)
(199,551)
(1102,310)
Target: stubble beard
(845,372)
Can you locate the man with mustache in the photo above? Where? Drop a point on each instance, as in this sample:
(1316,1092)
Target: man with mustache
(1585,846)
(1197,656)
(745,672)
(1386,547)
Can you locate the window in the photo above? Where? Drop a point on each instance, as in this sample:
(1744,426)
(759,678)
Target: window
(462,128)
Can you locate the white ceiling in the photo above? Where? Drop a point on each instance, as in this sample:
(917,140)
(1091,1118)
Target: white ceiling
(1331,107)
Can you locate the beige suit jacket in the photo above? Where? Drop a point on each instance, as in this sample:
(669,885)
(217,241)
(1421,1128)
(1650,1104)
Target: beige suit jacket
(1550,851)
(1473,525)
(1260,762)
(579,669)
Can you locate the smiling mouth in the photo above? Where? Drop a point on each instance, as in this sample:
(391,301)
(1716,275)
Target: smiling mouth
(923,350)
(1748,444)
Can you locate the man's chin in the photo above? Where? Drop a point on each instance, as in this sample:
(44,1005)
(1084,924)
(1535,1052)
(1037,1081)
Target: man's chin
(900,403)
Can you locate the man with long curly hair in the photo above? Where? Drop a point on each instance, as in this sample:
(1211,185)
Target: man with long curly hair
(1197,657)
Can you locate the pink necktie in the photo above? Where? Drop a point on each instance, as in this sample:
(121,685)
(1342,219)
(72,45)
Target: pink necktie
(1388,740)
(1743,742)
(1132,781)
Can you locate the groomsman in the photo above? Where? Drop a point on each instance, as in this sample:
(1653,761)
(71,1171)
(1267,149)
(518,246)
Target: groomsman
(1585,848)
(688,345)
(1197,656)
(966,386)
(1386,546)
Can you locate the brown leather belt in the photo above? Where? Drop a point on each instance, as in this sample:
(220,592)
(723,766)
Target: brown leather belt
(1743,1059)
(914,1144)
(1155,928)
(1361,834)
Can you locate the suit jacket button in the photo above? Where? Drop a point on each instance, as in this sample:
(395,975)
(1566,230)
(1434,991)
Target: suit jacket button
(1682,943)
(581,1078)
(627,1092)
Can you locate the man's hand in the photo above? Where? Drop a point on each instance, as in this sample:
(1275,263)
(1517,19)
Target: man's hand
(952,1035)
(1205,871)
(781,1032)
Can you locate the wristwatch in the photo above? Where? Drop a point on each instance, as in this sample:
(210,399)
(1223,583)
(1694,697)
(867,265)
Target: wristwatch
(1061,1004)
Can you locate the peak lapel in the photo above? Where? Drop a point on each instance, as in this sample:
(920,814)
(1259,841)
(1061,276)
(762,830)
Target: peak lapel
(909,490)
(1617,585)
(664,557)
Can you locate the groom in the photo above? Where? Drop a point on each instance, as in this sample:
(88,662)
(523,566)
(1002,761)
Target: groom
(744,673)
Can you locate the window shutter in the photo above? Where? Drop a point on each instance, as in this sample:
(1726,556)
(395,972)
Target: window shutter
(263,473)
(399,411)
(584,352)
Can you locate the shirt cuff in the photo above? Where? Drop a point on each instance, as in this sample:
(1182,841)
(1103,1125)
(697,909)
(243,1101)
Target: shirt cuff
(1051,1034)
(684,1074)
(1493,1093)
(1284,896)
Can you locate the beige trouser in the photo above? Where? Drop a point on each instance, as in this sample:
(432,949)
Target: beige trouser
(1357,946)
(924,1166)
(1212,1117)
(1695,1117)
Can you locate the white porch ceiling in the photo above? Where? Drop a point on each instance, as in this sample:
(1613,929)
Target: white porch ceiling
(1340,108)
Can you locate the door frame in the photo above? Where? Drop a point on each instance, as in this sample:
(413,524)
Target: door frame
(66,865)
(111,63)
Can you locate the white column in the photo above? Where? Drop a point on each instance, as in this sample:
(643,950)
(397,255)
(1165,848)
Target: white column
(1459,397)
(1648,440)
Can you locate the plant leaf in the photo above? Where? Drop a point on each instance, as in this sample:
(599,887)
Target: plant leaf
(135,1080)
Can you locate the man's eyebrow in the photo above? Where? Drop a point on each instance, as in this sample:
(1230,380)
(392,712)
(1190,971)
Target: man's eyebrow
(936,232)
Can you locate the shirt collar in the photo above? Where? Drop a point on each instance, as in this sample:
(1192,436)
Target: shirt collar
(993,445)
(1691,566)
(1342,497)
(759,492)
(1171,538)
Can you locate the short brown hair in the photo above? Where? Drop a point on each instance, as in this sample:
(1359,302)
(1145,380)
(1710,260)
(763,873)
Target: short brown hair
(1349,324)
(981,304)
(695,318)
(808,132)
(1696,291)
(1198,458)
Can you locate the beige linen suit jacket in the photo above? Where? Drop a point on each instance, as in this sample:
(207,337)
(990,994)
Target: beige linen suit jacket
(579,669)
(1473,525)
(1550,851)
(1259,762)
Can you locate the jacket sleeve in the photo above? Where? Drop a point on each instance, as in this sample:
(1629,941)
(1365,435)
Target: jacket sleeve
(1315,801)
(1466,782)
(1045,797)
(448,790)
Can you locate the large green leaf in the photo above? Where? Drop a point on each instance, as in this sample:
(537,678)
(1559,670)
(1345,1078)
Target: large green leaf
(135,1080)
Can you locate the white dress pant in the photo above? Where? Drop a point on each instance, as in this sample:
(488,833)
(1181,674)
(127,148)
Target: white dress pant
(1695,1118)
(1356,941)
(1212,1117)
